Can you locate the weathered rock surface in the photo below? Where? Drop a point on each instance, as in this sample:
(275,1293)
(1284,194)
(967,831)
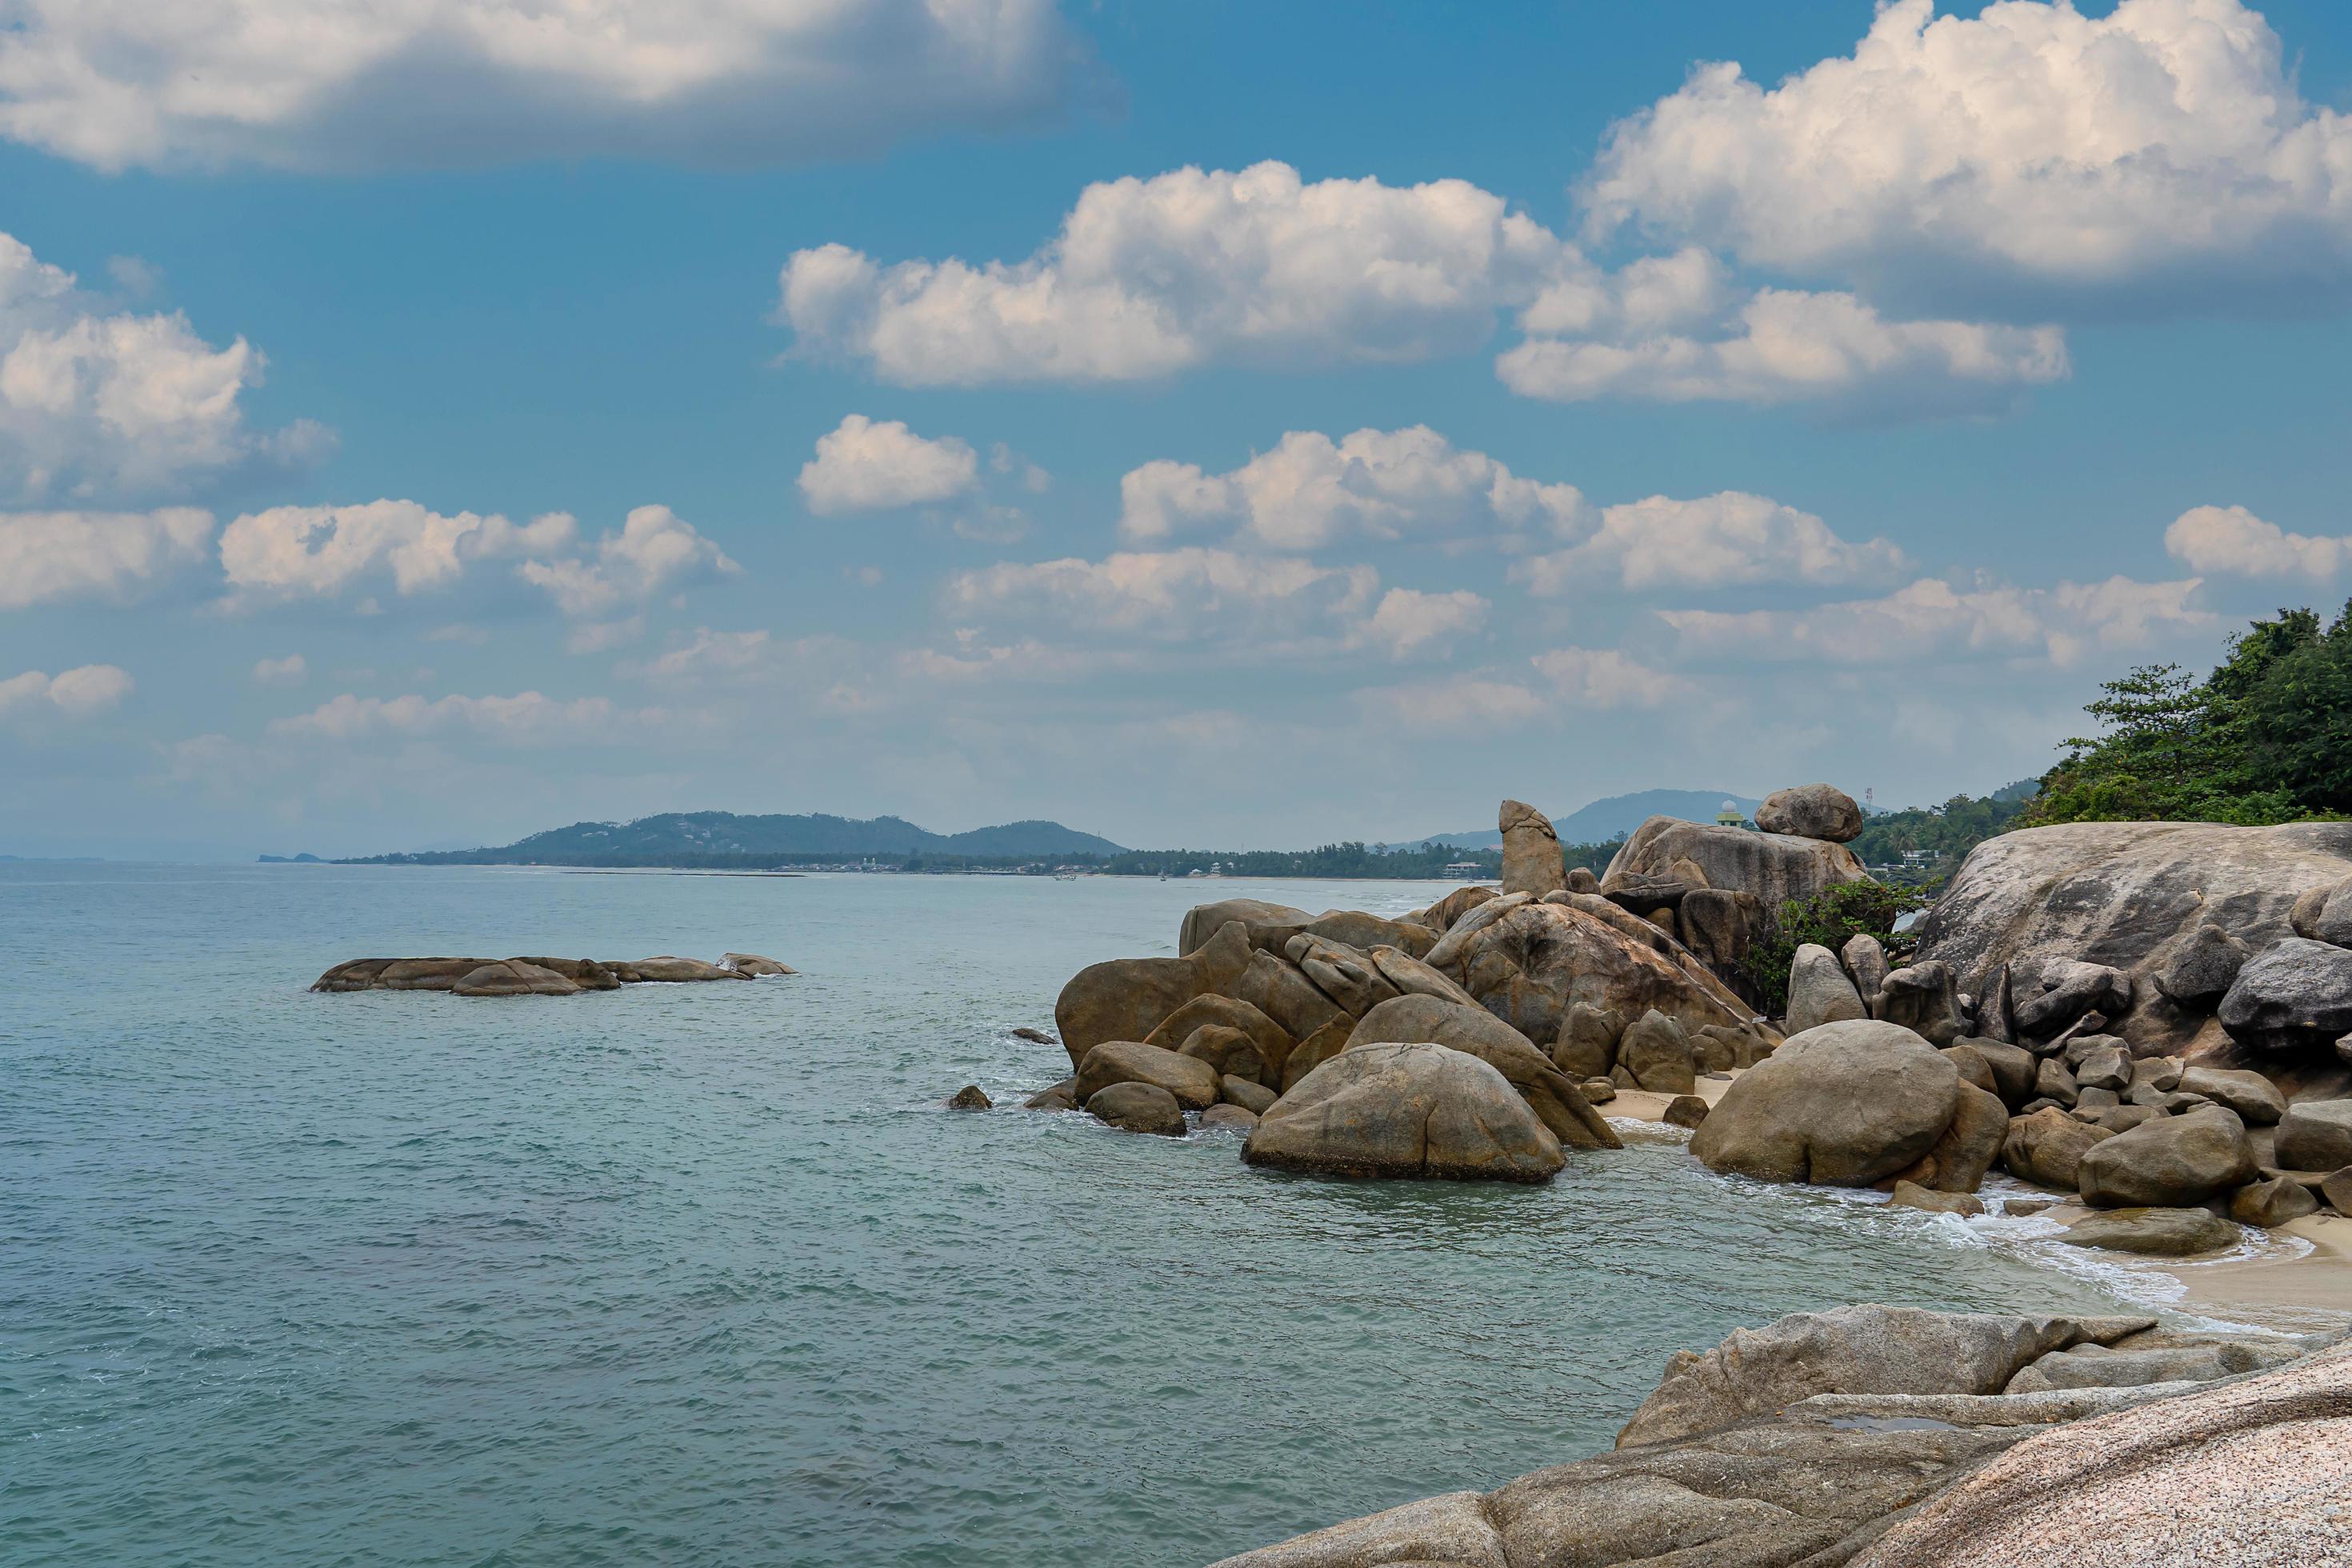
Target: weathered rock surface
(1349,977)
(2246,1472)
(1684,1110)
(1406,1110)
(1411,977)
(1531,857)
(1204,921)
(1138,1108)
(1061,1096)
(1968,1146)
(2123,894)
(1192,1083)
(2046,1148)
(1273,1042)
(2255,1098)
(2315,1135)
(1231,1052)
(1655,1053)
(1924,999)
(1556,1098)
(1773,867)
(2293,996)
(1864,957)
(1530,964)
(971,1096)
(2163,1467)
(1912,1196)
(1586,1046)
(513,977)
(1228,1116)
(1811,811)
(1281,990)
(1127,998)
(531,976)
(1820,991)
(2047,996)
(1862,1349)
(2273,1202)
(2013,1066)
(2158,1231)
(1440,916)
(752,965)
(1842,1105)
(2198,968)
(2170,1163)
(1251,1096)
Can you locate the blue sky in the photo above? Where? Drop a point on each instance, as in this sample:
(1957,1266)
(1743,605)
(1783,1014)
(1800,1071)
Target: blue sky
(1495,406)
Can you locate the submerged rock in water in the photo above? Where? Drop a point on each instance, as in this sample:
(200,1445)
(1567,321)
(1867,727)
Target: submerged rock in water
(969,1098)
(1406,1109)
(2162,1232)
(1138,1108)
(752,965)
(514,977)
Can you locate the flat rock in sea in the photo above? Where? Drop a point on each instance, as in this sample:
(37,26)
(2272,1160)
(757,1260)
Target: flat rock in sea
(534,975)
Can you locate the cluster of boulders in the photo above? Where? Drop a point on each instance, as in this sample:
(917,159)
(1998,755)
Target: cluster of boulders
(535,976)
(1712,886)
(2095,1078)
(1893,1437)
(1468,1040)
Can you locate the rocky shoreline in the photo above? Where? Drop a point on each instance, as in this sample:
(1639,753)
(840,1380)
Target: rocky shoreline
(2150,1022)
(1893,1437)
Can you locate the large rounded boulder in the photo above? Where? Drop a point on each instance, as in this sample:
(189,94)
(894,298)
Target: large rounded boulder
(1843,1105)
(1405,1109)
(1811,811)
(2172,1162)
(1127,998)
(2293,997)
(1202,922)
(1558,1100)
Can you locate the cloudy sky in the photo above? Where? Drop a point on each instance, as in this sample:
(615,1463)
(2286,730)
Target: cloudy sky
(424,423)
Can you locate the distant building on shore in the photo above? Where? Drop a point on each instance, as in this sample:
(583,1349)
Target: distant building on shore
(1731,816)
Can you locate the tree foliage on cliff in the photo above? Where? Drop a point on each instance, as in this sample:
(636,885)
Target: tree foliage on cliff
(1948,831)
(2265,738)
(1830,917)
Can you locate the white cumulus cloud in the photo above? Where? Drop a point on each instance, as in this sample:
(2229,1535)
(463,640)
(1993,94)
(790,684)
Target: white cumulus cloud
(1310,490)
(864,466)
(96,401)
(77,693)
(327,85)
(1712,542)
(324,551)
(321,550)
(1408,621)
(2162,143)
(656,549)
(527,718)
(1149,276)
(2231,540)
(291,671)
(47,557)
(1189,594)
(1606,678)
(1784,345)
(1934,619)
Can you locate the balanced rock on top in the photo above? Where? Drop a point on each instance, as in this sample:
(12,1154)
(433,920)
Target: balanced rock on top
(1811,811)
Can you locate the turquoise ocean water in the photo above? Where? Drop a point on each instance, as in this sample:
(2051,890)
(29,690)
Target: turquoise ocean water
(702,1274)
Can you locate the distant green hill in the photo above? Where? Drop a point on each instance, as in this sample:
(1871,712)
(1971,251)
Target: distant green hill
(721,837)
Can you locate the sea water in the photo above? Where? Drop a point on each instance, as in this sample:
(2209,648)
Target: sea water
(705,1273)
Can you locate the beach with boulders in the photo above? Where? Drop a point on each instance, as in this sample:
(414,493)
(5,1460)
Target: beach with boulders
(2148,1026)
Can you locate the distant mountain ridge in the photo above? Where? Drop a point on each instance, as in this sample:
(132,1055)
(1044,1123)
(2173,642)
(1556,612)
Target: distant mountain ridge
(702,835)
(1615,815)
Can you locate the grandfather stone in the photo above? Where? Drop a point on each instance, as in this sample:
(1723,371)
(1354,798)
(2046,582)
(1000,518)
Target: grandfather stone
(1531,857)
